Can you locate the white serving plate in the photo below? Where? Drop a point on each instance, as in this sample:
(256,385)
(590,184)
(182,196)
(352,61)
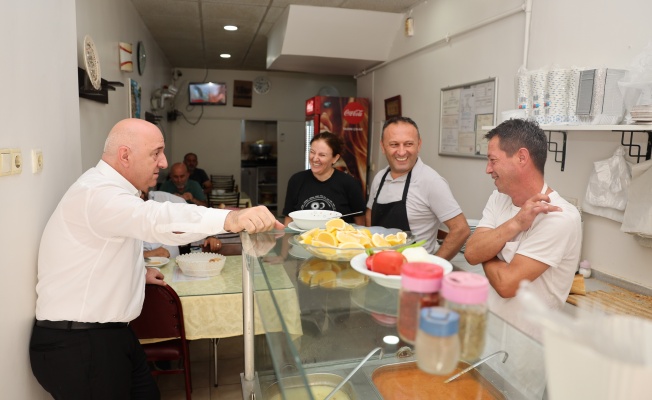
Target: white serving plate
(157,261)
(296,228)
(393,281)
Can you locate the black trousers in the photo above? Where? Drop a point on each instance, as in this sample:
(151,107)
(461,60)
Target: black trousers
(91,364)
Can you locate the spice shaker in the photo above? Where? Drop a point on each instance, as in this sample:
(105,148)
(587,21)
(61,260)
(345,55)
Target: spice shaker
(438,344)
(420,284)
(466,293)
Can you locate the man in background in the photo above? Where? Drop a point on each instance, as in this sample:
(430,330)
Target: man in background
(197,174)
(91,272)
(411,196)
(527,231)
(180,185)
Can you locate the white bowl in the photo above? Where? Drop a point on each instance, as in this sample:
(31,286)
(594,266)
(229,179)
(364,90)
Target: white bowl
(201,264)
(309,219)
(393,281)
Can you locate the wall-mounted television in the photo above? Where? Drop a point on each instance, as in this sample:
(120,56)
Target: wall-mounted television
(207,93)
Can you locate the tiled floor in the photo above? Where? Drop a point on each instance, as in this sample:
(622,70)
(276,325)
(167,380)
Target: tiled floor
(230,363)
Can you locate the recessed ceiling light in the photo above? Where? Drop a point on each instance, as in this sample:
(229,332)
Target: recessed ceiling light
(230,28)
(225,55)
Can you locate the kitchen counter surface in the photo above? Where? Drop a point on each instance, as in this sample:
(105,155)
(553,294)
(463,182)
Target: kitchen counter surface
(603,291)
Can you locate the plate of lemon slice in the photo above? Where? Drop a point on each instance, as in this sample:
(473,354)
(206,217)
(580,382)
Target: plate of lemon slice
(340,241)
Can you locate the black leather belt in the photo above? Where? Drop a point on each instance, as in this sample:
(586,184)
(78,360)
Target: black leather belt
(68,325)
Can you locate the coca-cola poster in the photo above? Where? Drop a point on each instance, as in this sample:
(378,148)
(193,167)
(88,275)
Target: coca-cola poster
(349,118)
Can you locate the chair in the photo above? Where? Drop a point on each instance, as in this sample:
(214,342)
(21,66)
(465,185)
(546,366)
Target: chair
(229,199)
(221,177)
(225,182)
(162,317)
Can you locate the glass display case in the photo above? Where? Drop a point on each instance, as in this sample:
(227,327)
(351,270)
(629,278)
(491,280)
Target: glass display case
(342,318)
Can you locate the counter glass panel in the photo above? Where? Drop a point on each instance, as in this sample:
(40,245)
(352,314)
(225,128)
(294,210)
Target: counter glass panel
(343,316)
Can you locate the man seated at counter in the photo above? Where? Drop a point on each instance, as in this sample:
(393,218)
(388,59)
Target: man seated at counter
(527,231)
(411,196)
(197,174)
(324,187)
(91,272)
(180,185)
(151,249)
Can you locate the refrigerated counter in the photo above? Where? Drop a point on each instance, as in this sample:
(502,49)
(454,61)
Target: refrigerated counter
(341,325)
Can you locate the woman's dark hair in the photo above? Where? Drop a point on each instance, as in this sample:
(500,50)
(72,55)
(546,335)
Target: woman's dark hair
(333,141)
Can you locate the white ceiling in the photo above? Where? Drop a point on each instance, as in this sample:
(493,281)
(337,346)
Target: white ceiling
(191,33)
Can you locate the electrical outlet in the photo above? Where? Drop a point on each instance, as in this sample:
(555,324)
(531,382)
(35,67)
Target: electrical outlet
(37,161)
(16,161)
(5,162)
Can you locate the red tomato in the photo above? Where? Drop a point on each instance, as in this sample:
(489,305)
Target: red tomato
(368,261)
(388,262)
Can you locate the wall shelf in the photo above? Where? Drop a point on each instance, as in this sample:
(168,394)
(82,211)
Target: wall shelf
(634,150)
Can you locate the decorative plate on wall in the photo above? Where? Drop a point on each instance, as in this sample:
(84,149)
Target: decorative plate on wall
(141,58)
(92,63)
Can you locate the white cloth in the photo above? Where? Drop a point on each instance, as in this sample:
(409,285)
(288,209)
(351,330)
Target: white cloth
(90,263)
(162,197)
(554,239)
(429,201)
(159,196)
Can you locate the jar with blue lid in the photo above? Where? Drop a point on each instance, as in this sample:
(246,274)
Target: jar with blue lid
(437,343)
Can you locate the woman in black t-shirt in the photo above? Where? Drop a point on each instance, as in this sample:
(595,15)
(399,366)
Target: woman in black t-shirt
(323,187)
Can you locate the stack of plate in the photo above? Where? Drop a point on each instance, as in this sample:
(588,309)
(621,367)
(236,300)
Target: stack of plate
(472,224)
(642,114)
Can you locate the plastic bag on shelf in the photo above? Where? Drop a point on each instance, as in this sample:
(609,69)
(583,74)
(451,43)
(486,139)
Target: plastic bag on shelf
(539,95)
(558,95)
(523,91)
(636,88)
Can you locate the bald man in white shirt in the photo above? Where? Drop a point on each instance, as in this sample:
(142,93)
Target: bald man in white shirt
(91,272)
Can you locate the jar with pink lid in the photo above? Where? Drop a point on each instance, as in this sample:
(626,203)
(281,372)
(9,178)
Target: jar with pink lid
(466,293)
(420,284)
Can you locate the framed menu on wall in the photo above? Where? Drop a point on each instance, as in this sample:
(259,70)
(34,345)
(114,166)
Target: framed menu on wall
(465,110)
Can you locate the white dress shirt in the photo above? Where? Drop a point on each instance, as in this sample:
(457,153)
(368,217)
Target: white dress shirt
(90,263)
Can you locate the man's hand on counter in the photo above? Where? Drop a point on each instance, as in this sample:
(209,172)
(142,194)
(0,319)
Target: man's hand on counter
(252,220)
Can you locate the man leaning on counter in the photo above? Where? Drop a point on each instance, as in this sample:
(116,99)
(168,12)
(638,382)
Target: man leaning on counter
(91,271)
(411,196)
(527,231)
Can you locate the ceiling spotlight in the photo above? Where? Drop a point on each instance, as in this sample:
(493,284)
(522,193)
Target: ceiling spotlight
(230,28)
(225,55)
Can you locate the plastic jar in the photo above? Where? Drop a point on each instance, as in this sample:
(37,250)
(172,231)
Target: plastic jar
(438,343)
(420,284)
(466,293)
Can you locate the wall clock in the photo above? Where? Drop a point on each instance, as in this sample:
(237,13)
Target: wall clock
(92,63)
(142,57)
(262,85)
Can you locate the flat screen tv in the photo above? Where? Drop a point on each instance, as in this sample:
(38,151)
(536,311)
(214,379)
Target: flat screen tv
(207,93)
